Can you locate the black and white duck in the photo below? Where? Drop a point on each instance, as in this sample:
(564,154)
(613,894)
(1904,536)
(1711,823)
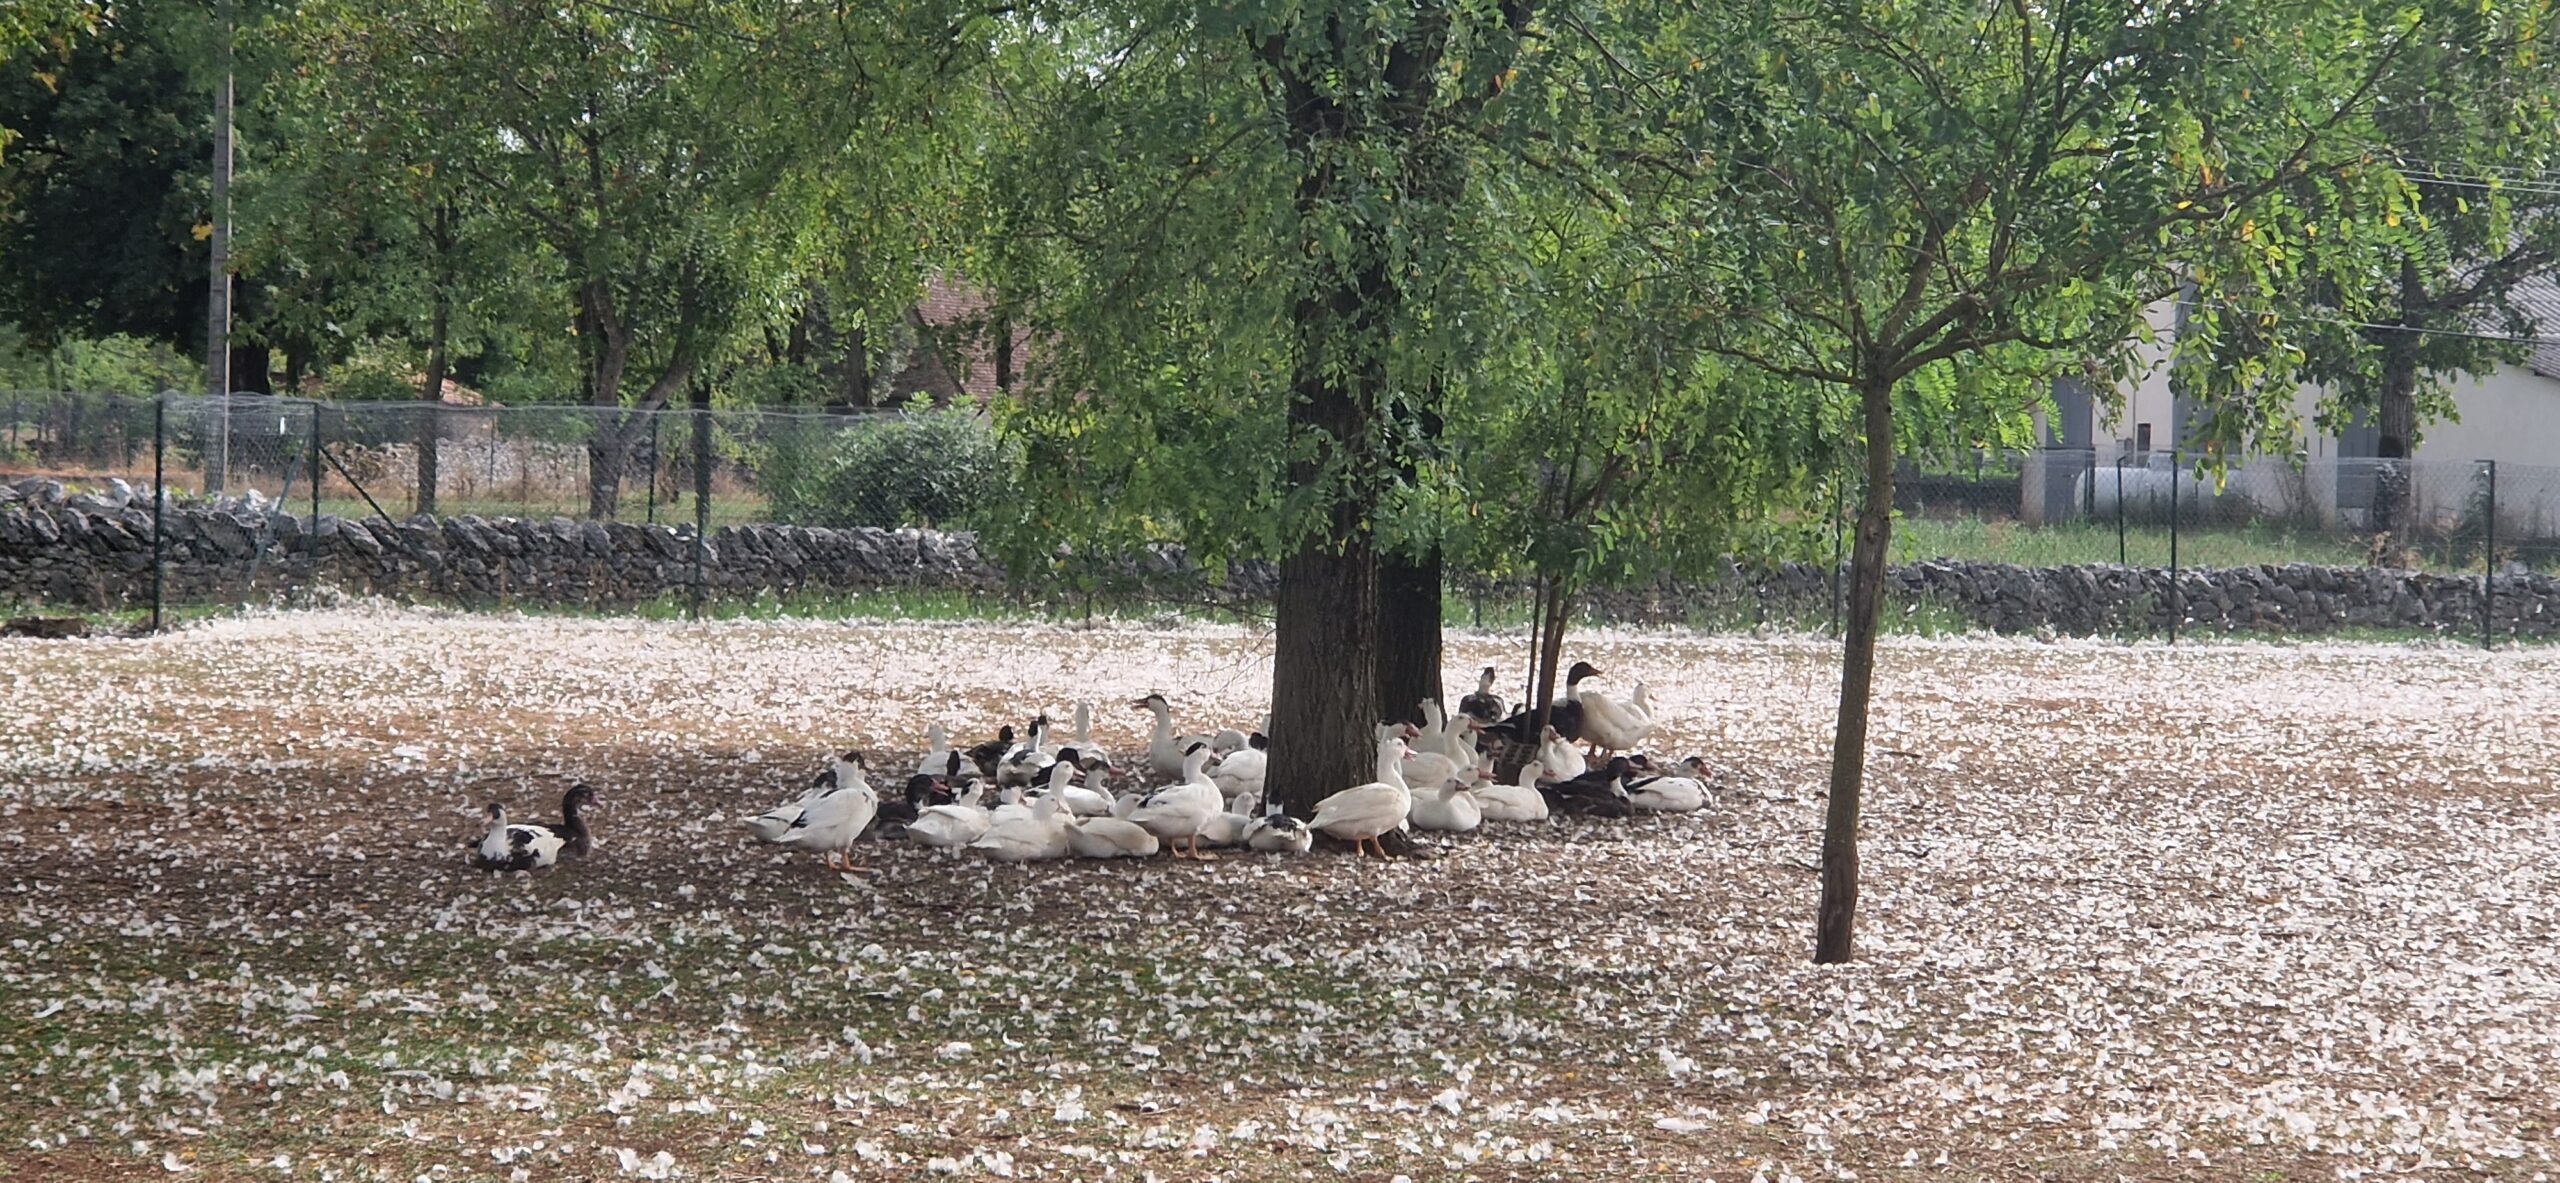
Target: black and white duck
(525,846)
(1600,792)
(986,755)
(1483,706)
(1566,714)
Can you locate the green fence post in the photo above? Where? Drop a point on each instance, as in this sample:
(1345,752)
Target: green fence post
(701,498)
(159,502)
(2177,597)
(2489,561)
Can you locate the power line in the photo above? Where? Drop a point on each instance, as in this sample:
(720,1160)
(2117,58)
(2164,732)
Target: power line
(2379,327)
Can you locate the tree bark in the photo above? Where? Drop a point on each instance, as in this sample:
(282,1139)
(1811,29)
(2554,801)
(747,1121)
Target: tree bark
(2396,413)
(431,396)
(1324,670)
(1835,923)
(1408,634)
(252,369)
(1553,604)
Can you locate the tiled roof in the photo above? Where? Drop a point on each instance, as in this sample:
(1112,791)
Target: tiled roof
(2539,299)
(957,351)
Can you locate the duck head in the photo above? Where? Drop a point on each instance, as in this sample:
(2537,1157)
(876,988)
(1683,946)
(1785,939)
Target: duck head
(1580,670)
(497,812)
(1484,681)
(579,796)
(1152,702)
(922,787)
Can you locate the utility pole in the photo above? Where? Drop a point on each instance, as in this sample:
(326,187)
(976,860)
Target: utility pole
(217,317)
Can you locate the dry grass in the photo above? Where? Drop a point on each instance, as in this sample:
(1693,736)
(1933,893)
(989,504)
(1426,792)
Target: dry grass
(2232,912)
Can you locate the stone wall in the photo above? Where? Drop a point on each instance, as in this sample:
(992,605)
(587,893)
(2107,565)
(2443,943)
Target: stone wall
(94,550)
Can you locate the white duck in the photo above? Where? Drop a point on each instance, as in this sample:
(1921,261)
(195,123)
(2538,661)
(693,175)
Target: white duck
(1609,725)
(950,827)
(1279,833)
(773,823)
(1241,773)
(1520,802)
(1449,735)
(1451,807)
(516,847)
(1164,748)
(1563,760)
(1040,837)
(1009,806)
(1668,794)
(1177,812)
(1083,801)
(1430,765)
(1361,813)
(1110,837)
(839,815)
(1226,828)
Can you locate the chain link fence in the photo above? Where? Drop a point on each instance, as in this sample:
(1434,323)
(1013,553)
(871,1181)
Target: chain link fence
(616,505)
(882,468)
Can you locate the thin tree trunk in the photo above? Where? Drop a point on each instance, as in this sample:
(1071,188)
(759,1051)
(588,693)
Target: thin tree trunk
(2396,418)
(1408,634)
(1553,607)
(431,400)
(1835,924)
(1004,354)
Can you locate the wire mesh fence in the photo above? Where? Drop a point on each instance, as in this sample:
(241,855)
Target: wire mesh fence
(614,504)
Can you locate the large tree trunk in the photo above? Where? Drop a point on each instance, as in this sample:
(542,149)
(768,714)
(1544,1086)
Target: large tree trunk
(1408,634)
(1835,924)
(608,453)
(1324,670)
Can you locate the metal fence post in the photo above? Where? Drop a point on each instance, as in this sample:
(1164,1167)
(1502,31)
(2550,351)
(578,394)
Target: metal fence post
(2489,561)
(2177,595)
(311,537)
(159,502)
(701,499)
(2120,560)
(654,419)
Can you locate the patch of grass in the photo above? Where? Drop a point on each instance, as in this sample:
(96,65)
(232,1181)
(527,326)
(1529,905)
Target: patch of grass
(2071,543)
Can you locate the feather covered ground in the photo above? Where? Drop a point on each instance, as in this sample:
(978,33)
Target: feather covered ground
(2227,912)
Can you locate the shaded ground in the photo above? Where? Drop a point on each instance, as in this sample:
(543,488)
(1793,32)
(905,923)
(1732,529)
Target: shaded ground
(2233,912)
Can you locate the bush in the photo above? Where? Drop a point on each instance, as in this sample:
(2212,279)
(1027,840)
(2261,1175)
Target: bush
(934,468)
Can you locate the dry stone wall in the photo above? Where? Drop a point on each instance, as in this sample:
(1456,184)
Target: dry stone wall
(95,550)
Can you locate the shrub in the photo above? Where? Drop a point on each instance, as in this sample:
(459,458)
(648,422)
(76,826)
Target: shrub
(933,468)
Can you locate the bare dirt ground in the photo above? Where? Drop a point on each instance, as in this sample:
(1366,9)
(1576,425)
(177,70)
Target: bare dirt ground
(2228,912)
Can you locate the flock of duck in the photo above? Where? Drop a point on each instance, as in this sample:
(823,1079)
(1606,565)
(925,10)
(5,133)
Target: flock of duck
(1036,798)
